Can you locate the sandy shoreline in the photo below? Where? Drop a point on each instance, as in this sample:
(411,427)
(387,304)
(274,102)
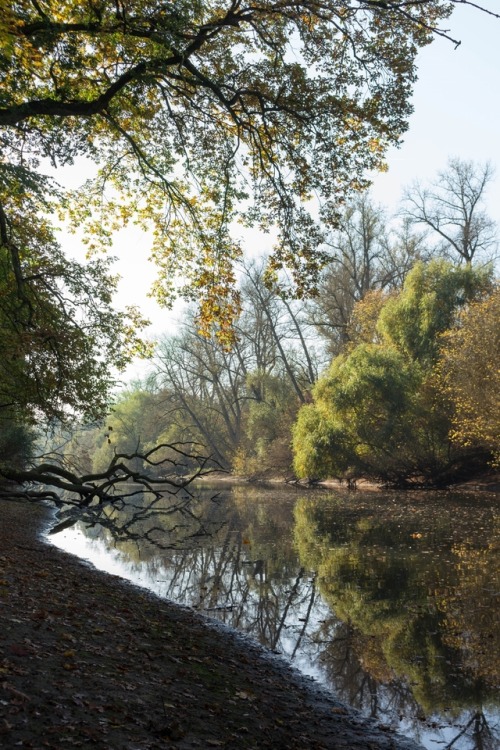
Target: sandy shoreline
(87,659)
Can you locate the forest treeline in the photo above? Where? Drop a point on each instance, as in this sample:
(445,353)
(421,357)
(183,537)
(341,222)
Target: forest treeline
(390,373)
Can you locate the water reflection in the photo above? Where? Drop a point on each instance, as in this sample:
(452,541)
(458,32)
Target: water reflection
(390,600)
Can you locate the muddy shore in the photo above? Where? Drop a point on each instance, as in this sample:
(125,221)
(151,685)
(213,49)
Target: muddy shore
(88,660)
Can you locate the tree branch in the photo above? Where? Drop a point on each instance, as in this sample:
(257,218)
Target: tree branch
(112,486)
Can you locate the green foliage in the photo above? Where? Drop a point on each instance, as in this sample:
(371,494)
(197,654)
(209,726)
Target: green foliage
(320,448)
(376,412)
(136,424)
(191,107)
(59,334)
(16,440)
(267,425)
(431,300)
(361,416)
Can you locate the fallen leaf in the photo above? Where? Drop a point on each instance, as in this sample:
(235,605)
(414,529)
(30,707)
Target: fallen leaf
(245,696)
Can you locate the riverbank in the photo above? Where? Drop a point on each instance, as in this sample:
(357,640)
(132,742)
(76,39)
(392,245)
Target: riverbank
(88,660)
(484,482)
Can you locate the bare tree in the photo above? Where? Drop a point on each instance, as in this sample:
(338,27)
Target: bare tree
(452,210)
(204,387)
(366,254)
(271,316)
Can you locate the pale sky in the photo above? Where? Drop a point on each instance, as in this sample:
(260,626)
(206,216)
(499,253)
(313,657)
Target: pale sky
(456,114)
(456,107)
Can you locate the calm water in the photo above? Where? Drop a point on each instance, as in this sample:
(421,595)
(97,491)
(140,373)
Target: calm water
(391,600)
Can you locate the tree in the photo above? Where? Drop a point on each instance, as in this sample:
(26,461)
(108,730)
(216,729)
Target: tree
(124,480)
(469,374)
(91,471)
(366,254)
(16,441)
(61,342)
(190,107)
(452,210)
(433,296)
(377,412)
(241,402)
(195,114)
(282,324)
(134,425)
(361,418)
(203,387)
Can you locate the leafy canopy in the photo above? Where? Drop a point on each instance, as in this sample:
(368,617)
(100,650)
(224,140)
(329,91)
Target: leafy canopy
(378,411)
(202,113)
(469,375)
(59,334)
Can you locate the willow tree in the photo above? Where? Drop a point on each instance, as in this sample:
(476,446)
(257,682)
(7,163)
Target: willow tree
(378,412)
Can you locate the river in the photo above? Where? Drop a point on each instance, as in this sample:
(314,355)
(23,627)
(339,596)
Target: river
(390,599)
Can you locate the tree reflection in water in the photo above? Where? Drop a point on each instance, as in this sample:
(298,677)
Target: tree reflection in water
(391,601)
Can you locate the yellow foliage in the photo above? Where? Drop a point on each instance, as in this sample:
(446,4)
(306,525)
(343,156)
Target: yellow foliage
(468,374)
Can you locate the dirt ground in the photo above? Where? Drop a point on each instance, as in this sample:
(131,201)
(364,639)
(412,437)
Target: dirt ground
(88,660)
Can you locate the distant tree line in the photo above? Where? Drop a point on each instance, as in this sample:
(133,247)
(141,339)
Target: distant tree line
(389,373)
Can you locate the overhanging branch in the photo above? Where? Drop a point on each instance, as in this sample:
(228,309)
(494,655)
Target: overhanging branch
(55,482)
